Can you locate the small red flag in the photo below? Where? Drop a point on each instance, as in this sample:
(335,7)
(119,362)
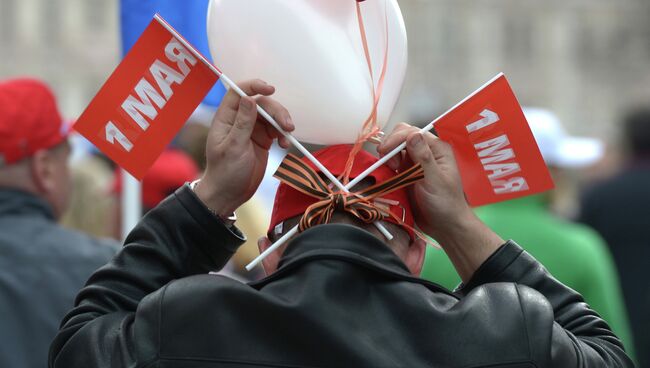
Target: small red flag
(496,152)
(147,99)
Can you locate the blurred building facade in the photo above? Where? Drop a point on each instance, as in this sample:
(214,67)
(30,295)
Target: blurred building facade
(585,59)
(72,44)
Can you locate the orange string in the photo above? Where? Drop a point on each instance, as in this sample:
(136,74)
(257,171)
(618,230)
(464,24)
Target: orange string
(370,127)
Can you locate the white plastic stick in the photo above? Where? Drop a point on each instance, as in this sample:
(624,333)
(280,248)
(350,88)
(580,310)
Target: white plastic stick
(368,171)
(272,248)
(131,203)
(268,117)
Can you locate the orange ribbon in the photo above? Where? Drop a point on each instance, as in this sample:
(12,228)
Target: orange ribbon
(302,177)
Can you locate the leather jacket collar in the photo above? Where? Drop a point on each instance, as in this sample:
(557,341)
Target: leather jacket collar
(353,245)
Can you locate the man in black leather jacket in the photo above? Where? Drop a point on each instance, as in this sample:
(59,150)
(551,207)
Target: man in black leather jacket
(337,296)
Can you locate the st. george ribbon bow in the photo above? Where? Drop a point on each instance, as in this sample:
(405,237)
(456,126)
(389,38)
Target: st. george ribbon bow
(302,177)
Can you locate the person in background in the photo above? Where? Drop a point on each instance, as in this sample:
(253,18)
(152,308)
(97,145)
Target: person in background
(619,209)
(172,169)
(573,253)
(42,265)
(90,210)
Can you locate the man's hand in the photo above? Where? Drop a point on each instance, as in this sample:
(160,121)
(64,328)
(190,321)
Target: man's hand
(238,146)
(438,201)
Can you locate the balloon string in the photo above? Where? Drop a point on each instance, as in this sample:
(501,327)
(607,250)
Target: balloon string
(370,128)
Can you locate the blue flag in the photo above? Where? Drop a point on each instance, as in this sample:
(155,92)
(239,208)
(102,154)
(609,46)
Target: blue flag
(187,16)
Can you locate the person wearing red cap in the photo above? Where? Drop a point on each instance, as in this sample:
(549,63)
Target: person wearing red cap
(339,294)
(171,170)
(42,265)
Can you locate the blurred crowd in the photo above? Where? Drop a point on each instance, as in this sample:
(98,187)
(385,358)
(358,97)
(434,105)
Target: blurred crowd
(60,215)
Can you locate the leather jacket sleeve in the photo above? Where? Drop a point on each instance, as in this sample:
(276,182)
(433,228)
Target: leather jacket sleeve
(100,331)
(562,330)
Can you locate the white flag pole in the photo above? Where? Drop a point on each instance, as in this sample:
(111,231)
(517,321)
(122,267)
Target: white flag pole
(131,203)
(268,117)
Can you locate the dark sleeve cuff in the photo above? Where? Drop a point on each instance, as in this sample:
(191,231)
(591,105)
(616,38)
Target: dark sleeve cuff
(220,241)
(493,268)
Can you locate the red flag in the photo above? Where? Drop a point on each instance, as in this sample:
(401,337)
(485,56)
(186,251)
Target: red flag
(497,155)
(147,99)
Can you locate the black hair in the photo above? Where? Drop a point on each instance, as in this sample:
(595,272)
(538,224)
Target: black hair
(637,131)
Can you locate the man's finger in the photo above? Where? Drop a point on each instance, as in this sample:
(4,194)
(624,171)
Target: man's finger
(263,135)
(284,142)
(395,162)
(266,133)
(230,102)
(420,152)
(244,121)
(278,112)
(397,137)
(438,147)
(251,88)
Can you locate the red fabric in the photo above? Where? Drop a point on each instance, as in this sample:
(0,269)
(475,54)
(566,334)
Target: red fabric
(113,122)
(290,202)
(29,119)
(170,171)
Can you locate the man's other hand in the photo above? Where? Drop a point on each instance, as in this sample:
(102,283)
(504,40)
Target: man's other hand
(438,201)
(238,146)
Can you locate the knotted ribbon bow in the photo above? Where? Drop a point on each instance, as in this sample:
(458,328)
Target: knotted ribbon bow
(302,177)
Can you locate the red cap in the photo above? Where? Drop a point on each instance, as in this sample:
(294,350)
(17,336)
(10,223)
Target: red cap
(29,119)
(290,203)
(170,171)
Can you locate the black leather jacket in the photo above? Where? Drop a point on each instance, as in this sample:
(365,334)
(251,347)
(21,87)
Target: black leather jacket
(341,298)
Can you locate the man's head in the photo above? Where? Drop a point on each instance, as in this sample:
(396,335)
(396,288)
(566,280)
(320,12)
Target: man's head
(291,204)
(559,149)
(33,146)
(637,132)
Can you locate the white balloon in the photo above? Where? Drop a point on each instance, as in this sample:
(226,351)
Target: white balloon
(312,52)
